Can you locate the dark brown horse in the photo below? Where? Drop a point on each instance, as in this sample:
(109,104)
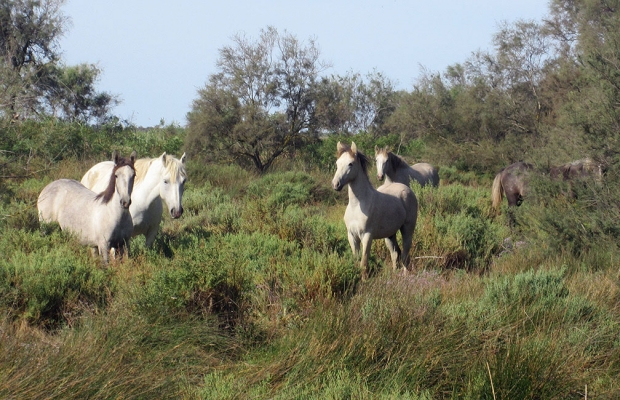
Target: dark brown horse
(511,181)
(577,169)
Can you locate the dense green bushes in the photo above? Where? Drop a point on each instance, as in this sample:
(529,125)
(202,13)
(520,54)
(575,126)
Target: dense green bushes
(45,282)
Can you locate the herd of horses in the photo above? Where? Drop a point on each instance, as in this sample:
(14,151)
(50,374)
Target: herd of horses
(379,213)
(116,200)
(122,198)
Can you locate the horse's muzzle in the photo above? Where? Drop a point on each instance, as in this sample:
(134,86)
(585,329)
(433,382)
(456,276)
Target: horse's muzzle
(174,213)
(380,177)
(126,204)
(337,186)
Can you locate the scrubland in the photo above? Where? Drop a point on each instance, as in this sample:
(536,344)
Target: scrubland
(254,293)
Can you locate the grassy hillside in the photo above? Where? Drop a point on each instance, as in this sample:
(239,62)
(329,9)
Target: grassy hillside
(254,293)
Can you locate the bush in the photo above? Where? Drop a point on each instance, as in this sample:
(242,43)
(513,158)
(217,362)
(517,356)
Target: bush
(50,286)
(455,224)
(281,189)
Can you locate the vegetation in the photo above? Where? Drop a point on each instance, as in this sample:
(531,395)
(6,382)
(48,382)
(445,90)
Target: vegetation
(35,82)
(253,293)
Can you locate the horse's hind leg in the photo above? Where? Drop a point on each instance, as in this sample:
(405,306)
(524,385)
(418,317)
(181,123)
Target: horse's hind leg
(407,234)
(392,246)
(513,199)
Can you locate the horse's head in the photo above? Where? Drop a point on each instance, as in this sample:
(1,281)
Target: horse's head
(382,158)
(124,175)
(348,165)
(172,183)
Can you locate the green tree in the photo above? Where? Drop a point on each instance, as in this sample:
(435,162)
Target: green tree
(335,111)
(261,101)
(70,93)
(354,103)
(594,101)
(29,34)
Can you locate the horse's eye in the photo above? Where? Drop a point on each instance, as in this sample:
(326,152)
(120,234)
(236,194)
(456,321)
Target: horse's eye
(350,164)
(165,181)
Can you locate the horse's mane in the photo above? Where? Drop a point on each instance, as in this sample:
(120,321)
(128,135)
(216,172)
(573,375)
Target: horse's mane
(142,166)
(172,165)
(119,162)
(360,156)
(397,161)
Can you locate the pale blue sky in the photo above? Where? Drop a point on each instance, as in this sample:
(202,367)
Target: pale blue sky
(155,55)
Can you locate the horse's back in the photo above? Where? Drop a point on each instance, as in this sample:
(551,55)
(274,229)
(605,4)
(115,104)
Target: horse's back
(405,196)
(62,199)
(426,174)
(98,176)
(515,173)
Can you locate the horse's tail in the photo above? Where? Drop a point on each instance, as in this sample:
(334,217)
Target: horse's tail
(497,191)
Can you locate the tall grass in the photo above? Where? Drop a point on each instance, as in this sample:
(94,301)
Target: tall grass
(254,293)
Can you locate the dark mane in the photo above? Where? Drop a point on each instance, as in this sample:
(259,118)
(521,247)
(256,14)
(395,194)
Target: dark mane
(397,161)
(119,162)
(360,156)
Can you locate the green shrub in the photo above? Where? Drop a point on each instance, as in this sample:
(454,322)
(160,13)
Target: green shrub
(51,286)
(153,142)
(454,223)
(280,189)
(543,289)
(307,227)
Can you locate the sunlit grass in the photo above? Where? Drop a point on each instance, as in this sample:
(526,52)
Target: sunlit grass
(254,293)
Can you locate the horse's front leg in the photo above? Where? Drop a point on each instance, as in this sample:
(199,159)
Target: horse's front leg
(104,252)
(126,248)
(366,245)
(354,242)
(150,235)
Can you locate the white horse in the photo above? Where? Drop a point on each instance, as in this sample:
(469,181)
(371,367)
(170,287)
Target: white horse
(394,168)
(101,220)
(374,213)
(156,179)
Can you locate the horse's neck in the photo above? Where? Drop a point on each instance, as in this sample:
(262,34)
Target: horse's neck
(397,173)
(147,189)
(113,207)
(360,190)
(401,174)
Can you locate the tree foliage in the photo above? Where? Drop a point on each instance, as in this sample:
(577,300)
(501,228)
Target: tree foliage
(70,94)
(354,103)
(34,83)
(261,101)
(29,33)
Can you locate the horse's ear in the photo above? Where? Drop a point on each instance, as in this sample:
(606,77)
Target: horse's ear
(353,147)
(339,146)
(115,157)
(387,149)
(133,156)
(183,158)
(376,149)
(163,157)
